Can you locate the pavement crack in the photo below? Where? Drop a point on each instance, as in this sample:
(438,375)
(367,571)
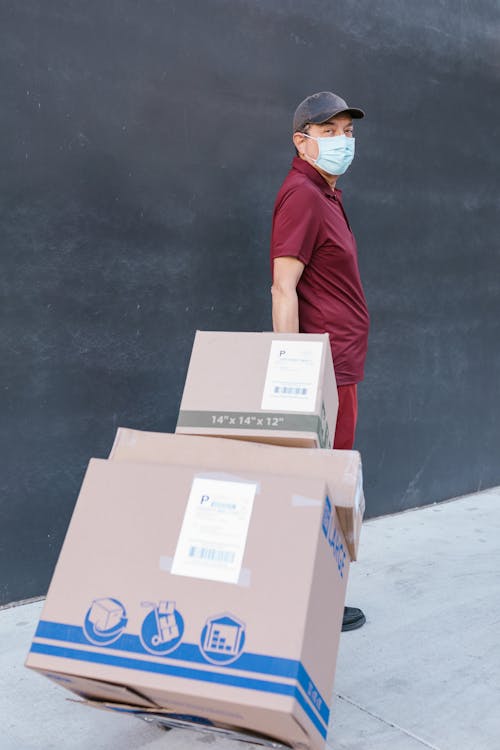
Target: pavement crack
(388,723)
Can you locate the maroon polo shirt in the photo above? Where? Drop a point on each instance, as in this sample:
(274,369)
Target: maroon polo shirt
(309,223)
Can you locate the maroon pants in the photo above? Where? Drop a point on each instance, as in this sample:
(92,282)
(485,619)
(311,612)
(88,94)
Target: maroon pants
(347,416)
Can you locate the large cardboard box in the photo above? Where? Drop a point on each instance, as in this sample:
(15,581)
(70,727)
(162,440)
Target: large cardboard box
(269,387)
(213,598)
(342,470)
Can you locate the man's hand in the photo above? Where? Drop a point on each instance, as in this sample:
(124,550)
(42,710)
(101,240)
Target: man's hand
(286,274)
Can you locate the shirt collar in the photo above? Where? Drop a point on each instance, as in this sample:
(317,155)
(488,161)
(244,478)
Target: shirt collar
(303,166)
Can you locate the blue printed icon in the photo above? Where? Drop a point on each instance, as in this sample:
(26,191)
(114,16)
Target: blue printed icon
(163,627)
(105,621)
(332,536)
(222,639)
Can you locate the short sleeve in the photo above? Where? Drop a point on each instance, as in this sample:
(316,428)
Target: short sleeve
(296,225)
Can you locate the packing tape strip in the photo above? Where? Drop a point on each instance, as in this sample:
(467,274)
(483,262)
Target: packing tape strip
(255,421)
(299,501)
(245,577)
(225,476)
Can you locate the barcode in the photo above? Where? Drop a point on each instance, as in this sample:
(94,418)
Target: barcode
(215,555)
(290,391)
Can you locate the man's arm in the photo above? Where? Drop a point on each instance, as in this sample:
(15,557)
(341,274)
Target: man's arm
(286,274)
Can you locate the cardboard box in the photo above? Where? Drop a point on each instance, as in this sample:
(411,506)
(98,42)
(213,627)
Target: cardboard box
(342,470)
(268,387)
(211,598)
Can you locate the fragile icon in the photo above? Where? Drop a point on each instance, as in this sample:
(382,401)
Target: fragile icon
(105,621)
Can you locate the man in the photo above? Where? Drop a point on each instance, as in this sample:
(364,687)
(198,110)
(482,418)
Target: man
(316,283)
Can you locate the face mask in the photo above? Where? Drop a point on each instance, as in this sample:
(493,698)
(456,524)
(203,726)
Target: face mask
(335,153)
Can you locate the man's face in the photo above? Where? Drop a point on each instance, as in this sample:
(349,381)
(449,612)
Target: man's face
(340,124)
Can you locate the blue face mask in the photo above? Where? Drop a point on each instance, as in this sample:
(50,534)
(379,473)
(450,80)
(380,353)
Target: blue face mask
(335,153)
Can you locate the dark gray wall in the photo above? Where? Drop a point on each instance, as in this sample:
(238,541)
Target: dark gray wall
(143,142)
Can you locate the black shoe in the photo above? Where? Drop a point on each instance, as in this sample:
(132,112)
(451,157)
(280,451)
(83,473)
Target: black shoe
(353,619)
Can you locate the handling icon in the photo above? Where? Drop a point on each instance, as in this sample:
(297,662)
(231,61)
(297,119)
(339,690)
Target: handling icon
(105,621)
(222,639)
(163,627)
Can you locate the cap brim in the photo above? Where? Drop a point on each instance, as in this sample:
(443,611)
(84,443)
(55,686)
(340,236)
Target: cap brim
(325,116)
(356,113)
(353,111)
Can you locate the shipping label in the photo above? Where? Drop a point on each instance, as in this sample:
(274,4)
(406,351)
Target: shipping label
(214,531)
(292,376)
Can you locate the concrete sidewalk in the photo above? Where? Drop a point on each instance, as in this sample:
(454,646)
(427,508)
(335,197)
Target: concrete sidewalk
(424,672)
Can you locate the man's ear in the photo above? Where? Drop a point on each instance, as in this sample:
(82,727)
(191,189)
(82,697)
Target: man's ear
(299,140)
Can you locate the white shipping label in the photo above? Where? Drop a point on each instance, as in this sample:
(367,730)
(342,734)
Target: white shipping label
(292,375)
(214,530)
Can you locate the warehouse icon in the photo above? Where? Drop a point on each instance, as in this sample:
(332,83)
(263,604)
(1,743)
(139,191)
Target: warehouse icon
(223,638)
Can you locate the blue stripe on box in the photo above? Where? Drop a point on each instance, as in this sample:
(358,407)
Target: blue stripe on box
(268,665)
(186,672)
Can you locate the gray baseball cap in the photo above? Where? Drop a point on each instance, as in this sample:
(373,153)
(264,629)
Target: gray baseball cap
(319,107)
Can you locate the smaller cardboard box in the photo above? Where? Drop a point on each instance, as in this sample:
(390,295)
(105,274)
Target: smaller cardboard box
(267,387)
(200,598)
(342,470)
